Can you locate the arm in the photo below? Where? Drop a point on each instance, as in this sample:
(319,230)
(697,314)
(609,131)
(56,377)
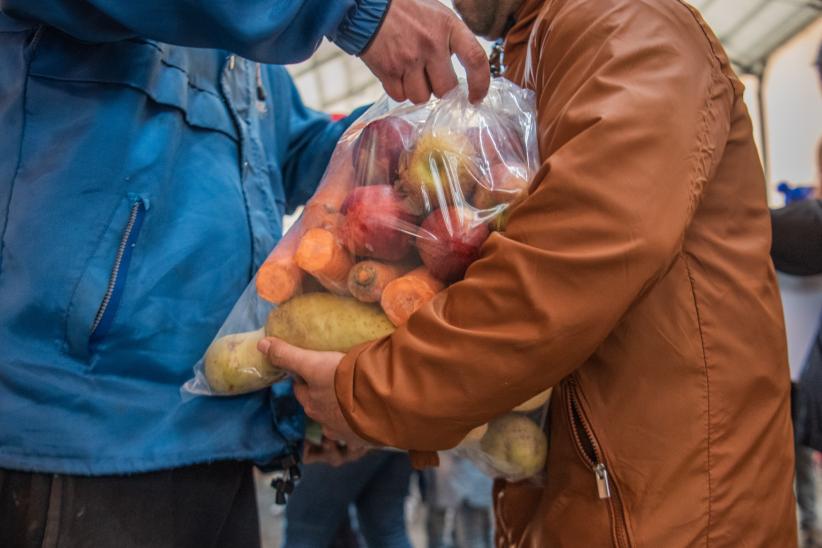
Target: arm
(797,238)
(311,141)
(632,123)
(271,31)
(411,56)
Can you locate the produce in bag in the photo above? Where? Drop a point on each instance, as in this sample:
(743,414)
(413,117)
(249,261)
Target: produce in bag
(514,445)
(410,195)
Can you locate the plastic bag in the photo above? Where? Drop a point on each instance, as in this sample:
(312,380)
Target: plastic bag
(409,196)
(514,445)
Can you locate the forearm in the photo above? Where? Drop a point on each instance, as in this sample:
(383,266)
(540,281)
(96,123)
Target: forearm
(271,31)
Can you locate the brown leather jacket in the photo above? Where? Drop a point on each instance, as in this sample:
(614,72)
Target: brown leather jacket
(635,277)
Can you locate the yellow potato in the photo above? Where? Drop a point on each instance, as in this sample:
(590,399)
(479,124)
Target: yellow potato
(322,321)
(233,365)
(515,446)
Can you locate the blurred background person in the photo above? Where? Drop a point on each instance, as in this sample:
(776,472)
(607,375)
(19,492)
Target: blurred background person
(797,250)
(336,477)
(458,501)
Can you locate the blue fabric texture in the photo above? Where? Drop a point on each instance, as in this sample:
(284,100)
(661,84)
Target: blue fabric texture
(88,131)
(268,31)
(356,30)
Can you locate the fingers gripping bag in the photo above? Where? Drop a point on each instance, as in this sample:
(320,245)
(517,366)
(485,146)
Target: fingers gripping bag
(409,196)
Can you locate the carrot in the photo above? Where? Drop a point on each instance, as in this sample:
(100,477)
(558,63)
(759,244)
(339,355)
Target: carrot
(279,278)
(367,279)
(406,294)
(338,181)
(322,255)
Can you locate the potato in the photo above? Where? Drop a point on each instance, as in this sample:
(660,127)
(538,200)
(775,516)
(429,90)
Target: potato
(534,403)
(322,321)
(233,365)
(515,446)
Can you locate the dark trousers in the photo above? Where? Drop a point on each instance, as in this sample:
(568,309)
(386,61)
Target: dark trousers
(212,505)
(377,484)
(804,470)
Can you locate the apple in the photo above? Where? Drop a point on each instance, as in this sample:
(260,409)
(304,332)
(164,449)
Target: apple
(506,185)
(377,150)
(377,223)
(440,170)
(448,241)
(497,142)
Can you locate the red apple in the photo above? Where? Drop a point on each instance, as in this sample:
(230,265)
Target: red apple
(377,223)
(448,241)
(378,148)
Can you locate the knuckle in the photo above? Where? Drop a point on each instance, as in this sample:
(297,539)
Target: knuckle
(475,58)
(428,44)
(395,68)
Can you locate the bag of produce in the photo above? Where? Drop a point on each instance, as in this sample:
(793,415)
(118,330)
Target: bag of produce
(408,198)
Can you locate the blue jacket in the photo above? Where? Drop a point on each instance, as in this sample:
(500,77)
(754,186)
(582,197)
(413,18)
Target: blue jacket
(141,185)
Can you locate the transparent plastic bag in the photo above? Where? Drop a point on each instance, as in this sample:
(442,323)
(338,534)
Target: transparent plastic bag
(409,196)
(513,446)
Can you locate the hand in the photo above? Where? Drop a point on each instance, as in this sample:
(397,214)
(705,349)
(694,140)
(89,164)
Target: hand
(313,385)
(411,53)
(332,452)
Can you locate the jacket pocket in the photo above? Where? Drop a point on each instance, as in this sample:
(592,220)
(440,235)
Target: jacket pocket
(97,296)
(178,78)
(591,455)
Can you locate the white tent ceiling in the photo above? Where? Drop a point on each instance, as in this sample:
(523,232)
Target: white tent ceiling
(753,29)
(750,30)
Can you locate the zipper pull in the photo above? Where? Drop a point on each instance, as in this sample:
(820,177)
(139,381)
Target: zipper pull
(603,485)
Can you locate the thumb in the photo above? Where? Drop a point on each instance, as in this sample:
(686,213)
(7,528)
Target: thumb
(309,365)
(285,356)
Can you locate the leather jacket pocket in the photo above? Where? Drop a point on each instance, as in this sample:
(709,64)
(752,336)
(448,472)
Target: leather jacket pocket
(590,453)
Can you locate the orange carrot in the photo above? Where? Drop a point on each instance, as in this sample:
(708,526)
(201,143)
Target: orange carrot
(279,278)
(367,279)
(322,255)
(338,181)
(406,294)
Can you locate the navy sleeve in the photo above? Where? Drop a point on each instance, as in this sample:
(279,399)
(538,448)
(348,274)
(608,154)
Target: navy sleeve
(269,31)
(312,138)
(796,247)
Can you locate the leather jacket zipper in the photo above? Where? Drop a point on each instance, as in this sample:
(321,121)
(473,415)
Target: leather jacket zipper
(116,281)
(590,452)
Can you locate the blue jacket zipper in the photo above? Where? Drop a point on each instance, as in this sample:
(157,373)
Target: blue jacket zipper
(119,271)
